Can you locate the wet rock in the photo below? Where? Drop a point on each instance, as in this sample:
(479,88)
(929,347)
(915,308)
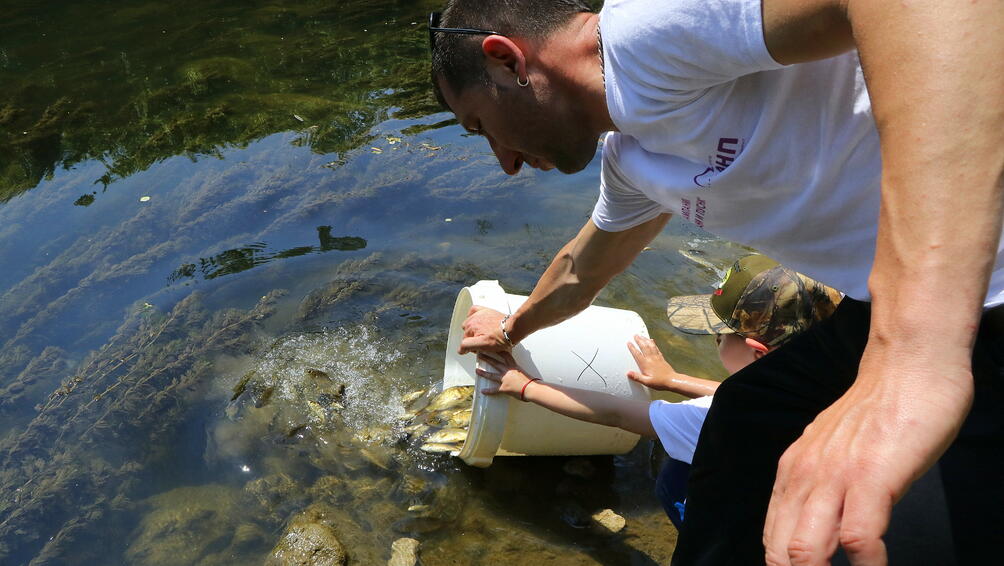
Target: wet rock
(404,552)
(366,489)
(308,541)
(579,467)
(609,520)
(247,537)
(326,485)
(273,490)
(574,514)
(185,525)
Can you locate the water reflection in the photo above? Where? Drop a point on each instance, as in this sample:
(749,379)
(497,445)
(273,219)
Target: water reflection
(133,85)
(247,257)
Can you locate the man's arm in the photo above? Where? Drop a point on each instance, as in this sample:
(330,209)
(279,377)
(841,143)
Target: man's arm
(576,275)
(936,80)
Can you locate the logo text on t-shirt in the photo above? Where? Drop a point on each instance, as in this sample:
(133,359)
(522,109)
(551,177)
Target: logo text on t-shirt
(698,211)
(727,151)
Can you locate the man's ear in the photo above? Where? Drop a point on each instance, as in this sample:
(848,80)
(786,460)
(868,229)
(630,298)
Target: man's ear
(759,350)
(502,54)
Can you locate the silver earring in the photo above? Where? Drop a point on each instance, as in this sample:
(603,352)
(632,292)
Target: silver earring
(527,83)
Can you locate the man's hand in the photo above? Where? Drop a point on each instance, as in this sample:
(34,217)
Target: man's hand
(482,332)
(837,484)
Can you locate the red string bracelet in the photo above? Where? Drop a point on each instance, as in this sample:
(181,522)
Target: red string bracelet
(522,392)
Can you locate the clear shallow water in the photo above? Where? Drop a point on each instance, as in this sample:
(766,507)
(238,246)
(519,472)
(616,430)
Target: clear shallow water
(309,208)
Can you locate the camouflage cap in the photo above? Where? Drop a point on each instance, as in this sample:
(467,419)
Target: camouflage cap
(758,299)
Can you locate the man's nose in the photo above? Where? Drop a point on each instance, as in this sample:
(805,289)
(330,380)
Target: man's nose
(510,161)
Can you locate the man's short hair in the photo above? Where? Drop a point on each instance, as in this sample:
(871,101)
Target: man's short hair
(457,58)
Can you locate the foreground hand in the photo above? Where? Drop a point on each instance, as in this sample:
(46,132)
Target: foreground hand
(838,482)
(482,332)
(505,372)
(654,371)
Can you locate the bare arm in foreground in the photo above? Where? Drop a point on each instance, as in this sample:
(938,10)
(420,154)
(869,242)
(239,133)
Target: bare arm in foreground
(576,275)
(936,79)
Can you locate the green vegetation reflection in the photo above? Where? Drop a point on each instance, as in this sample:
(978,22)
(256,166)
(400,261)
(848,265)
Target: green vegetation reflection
(133,85)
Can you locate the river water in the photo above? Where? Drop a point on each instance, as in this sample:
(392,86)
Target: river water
(199,195)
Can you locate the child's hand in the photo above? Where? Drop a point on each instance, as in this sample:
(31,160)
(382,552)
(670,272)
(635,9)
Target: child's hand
(510,377)
(655,372)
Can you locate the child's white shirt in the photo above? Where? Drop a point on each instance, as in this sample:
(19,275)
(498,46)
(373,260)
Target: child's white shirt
(679,425)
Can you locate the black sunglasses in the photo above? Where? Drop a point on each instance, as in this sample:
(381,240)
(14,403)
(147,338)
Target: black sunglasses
(434,27)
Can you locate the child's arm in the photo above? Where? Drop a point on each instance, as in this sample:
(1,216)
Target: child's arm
(656,373)
(591,406)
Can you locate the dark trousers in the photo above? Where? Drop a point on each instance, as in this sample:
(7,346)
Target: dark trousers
(671,489)
(953,515)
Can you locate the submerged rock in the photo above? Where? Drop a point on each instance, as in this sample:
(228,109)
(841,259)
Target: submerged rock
(308,541)
(188,525)
(273,491)
(404,552)
(609,520)
(579,467)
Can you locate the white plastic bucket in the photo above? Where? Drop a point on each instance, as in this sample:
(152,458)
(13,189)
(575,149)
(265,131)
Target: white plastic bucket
(587,351)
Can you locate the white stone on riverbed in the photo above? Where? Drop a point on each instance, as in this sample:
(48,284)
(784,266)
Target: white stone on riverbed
(404,552)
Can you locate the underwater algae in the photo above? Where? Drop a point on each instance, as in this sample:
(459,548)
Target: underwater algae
(55,476)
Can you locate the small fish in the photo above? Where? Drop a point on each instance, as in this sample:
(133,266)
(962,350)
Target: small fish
(448,436)
(316,373)
(460,419)
(695,256)
(438,448)
(417,429)
(452,397)
(316,411)
(444,417)
(407,399)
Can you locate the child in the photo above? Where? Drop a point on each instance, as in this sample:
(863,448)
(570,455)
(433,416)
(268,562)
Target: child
(759,306)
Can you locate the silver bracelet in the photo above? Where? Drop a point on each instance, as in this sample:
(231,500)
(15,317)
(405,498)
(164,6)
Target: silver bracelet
(504,333)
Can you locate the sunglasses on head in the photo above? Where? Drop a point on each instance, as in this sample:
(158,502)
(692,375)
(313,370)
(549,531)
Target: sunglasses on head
(434,29)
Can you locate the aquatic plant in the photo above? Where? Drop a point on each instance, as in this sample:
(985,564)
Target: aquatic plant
(55,476)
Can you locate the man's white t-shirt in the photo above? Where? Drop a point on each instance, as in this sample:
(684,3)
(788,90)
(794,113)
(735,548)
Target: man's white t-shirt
(679,425)
(712,129)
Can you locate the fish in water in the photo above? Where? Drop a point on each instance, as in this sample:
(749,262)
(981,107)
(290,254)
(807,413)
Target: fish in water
(448,436)
(411,397)
(439,448)
(441,419)
(696,256)
(452,397)
(460,419)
